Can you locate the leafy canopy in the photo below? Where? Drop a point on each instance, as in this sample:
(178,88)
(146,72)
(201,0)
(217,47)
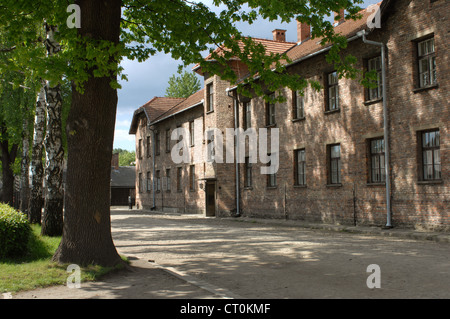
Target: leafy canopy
(185,29)
(183,85)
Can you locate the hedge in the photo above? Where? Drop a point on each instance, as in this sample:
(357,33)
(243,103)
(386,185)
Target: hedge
(15,232)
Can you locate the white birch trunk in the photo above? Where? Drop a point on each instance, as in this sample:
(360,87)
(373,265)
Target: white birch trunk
(37,168)
(24,174)
(52,218)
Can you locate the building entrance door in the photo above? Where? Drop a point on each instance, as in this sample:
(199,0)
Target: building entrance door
(210,199)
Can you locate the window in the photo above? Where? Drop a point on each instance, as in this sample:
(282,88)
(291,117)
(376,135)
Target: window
(270,110)
(332,91)
(149,152)
(427,63)
(377,163)
(158,181)
(157,142)
(211,150)
(192,178)
(300,167)
(149,182)
(297,105)
(247,115)
(140,183)
(431,155)
(140,149)
(168,181)
(375,65)
(168,140)
(179,176)
(335,164)
(191,132)
(209,98)
(271,178)
(248,173)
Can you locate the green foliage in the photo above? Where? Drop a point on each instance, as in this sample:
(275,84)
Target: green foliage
(14,232)
(183,85)
(126,158)
(184,29)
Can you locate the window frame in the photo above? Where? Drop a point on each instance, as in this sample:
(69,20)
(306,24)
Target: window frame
(191,133)
(430,58)
(270,112)
(192,187)
(377,157)
(157,142)
(331,170)
(371,96)
(295,106)
(210,97)
(158,181)
(247,122)
(299,166)
(248,173)
(140,149)
(329,87)
(149,179)
(168,180)
(271,178)
(179,179)
(423,149)
(168,140)
(149,146)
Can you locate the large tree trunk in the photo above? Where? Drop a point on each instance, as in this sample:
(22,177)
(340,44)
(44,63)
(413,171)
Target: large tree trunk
(37,168)
(87,226)
(52,218)
(24,168)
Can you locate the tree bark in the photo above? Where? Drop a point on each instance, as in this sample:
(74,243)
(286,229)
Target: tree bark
(8,158)
(87,235)
(52,218)
(37,168)
(24,168)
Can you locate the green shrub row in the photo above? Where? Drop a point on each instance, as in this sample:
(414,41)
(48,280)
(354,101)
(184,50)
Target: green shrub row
(15,232)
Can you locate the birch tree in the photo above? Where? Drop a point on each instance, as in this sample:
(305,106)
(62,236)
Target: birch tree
(37,168)
(52,219)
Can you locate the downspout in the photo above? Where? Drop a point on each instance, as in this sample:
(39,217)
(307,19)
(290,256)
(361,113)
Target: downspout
(236,147)
(153,169)
(385,123)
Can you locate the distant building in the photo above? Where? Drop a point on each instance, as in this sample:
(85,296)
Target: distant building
(123,179)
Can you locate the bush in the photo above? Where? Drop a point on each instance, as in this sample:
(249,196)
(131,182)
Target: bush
(15,232)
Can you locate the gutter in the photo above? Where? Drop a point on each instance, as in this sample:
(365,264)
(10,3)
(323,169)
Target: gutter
(385,124)
(236,152)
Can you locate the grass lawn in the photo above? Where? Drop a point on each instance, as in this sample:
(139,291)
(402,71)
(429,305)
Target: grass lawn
(35,269)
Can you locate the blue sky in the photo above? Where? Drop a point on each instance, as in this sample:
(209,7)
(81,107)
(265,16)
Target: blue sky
(149,79)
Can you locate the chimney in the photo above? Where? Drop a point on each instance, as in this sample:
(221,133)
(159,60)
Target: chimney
(303,31)
(279,35)
(115,161)
(341,15)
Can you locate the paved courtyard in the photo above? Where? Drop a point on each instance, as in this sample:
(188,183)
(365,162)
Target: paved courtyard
(245,259)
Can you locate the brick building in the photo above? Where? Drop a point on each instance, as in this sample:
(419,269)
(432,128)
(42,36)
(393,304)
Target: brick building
(332,151)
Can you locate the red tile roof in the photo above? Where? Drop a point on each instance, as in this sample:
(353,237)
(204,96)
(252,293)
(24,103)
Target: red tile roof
(160,108)
(271,46)
(192,100)
(348,28)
